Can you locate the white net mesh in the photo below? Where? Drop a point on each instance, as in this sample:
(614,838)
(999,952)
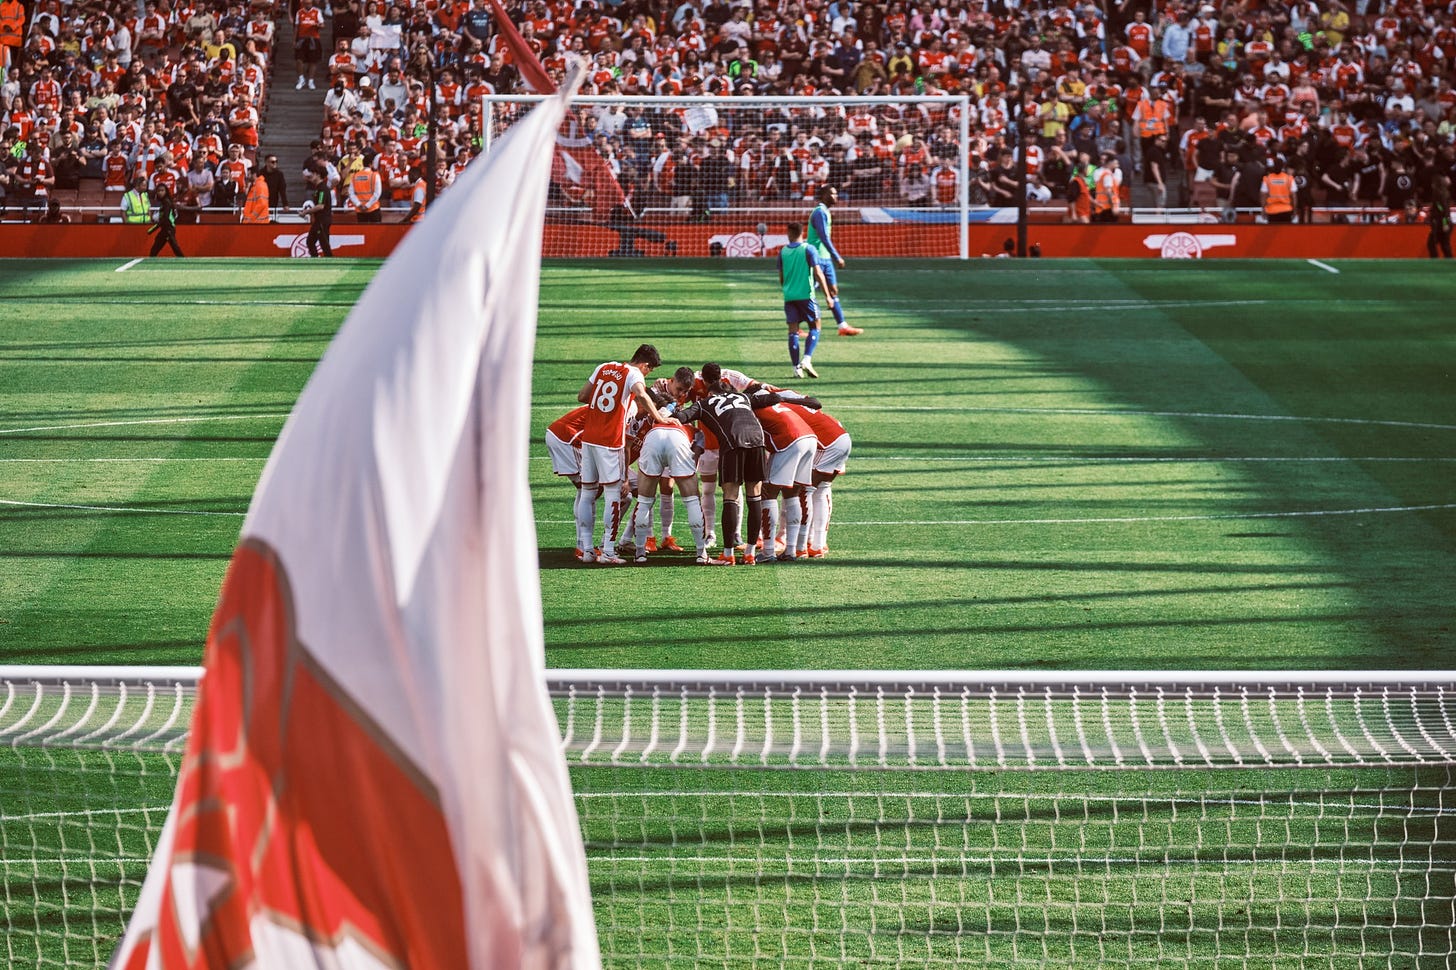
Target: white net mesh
(876,819)
(723,176)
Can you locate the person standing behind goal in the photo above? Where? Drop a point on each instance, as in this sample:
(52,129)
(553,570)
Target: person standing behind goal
(799,273)
(820,222)
(608,393)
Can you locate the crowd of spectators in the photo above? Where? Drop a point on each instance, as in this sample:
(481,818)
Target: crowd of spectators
(96,91)
(1356,102)
(1192,101)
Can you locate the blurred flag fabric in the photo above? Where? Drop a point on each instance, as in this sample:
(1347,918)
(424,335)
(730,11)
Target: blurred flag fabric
(374,776)
(577,166)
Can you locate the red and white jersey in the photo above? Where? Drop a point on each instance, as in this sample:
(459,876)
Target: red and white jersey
(825,428)
(308,22)
(114,169)
(610,406)
(736,379)
(782,426)
(571,425)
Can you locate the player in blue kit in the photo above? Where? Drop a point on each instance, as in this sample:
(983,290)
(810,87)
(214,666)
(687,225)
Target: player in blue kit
(820,222)
(799,273)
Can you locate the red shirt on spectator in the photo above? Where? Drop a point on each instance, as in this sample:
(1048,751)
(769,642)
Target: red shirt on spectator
(113,173)
(308,22)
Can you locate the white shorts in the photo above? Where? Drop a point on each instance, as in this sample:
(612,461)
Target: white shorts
(666,452)
(833,456)
(565,458)
(708,462)
(601,465)
(794,465)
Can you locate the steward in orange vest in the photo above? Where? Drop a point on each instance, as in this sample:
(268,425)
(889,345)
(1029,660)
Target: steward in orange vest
(1278,192)
(1105,198)
(255,209)
(12,27)
(365,191)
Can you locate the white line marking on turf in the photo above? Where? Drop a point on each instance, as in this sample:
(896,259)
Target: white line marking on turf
(1324,266)
(1109,413)
(126,266)
(87,813)
(1120,519)
(114,508)
(62,461)
(122,424)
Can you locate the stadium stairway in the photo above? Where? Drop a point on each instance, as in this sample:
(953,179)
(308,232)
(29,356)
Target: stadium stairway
(294,118)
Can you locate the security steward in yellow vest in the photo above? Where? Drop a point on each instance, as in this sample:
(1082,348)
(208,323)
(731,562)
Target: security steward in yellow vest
(136,205)
(1278,194)
(365,191)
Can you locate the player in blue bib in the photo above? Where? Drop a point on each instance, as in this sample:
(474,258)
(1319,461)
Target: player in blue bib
(820,221)
(799,273)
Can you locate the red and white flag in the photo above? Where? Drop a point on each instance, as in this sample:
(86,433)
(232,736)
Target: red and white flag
(374,776)
(577,163)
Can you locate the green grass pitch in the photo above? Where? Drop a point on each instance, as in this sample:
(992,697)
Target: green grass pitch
(1074,464)
(1059,465)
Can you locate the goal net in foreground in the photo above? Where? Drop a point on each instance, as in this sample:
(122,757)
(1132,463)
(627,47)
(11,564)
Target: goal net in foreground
(872,819)
(724,176)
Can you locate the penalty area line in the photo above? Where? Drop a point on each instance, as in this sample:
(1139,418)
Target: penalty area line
(126,266)
(1324,266)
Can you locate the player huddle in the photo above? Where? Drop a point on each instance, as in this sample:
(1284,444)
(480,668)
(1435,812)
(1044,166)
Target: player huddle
(775,452)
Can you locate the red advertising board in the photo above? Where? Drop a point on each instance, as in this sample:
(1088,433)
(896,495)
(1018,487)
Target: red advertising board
(738,240)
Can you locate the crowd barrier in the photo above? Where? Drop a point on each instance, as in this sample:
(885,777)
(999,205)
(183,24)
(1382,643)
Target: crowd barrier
(735,241)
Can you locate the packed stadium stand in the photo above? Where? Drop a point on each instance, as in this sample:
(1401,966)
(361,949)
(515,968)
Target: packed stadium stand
(1195,103)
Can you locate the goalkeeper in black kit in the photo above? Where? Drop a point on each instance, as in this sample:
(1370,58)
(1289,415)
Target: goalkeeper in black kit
(741,467)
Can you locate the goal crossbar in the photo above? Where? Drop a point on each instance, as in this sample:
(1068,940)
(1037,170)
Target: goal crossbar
(1127,819)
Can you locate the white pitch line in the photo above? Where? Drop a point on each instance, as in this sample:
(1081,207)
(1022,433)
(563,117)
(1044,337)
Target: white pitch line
(1122,519)
(126,266)
(1324,266)
(196,419)
(1108,413)
(114,508)
(62,461)
(87,813)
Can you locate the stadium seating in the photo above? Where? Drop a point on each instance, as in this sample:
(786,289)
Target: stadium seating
(1357,101)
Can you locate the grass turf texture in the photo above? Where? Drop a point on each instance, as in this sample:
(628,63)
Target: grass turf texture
(1064,465)
(1084,464)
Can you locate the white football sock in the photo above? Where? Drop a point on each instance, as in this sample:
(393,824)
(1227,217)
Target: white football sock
(666,512)
(820,516)
(771,510)
(643,523)
(806,528)
(793,519)
(586,517)
(613,524)
(710,505)
(694,505)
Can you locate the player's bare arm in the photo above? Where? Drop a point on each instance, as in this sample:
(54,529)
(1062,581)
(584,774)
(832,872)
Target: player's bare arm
(644,401)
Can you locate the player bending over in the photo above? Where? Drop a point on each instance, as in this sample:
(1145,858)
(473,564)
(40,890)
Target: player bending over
(728,414)
(799,274)
(667,455)
(791,445)
(829,463)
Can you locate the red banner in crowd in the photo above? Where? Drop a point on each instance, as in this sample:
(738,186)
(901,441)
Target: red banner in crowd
(733,239)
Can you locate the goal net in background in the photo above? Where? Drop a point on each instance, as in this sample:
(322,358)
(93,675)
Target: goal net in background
(830,819)
(723,176)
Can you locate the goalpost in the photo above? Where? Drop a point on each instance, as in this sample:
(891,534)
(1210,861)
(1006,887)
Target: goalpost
(857,818)
(722,176)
